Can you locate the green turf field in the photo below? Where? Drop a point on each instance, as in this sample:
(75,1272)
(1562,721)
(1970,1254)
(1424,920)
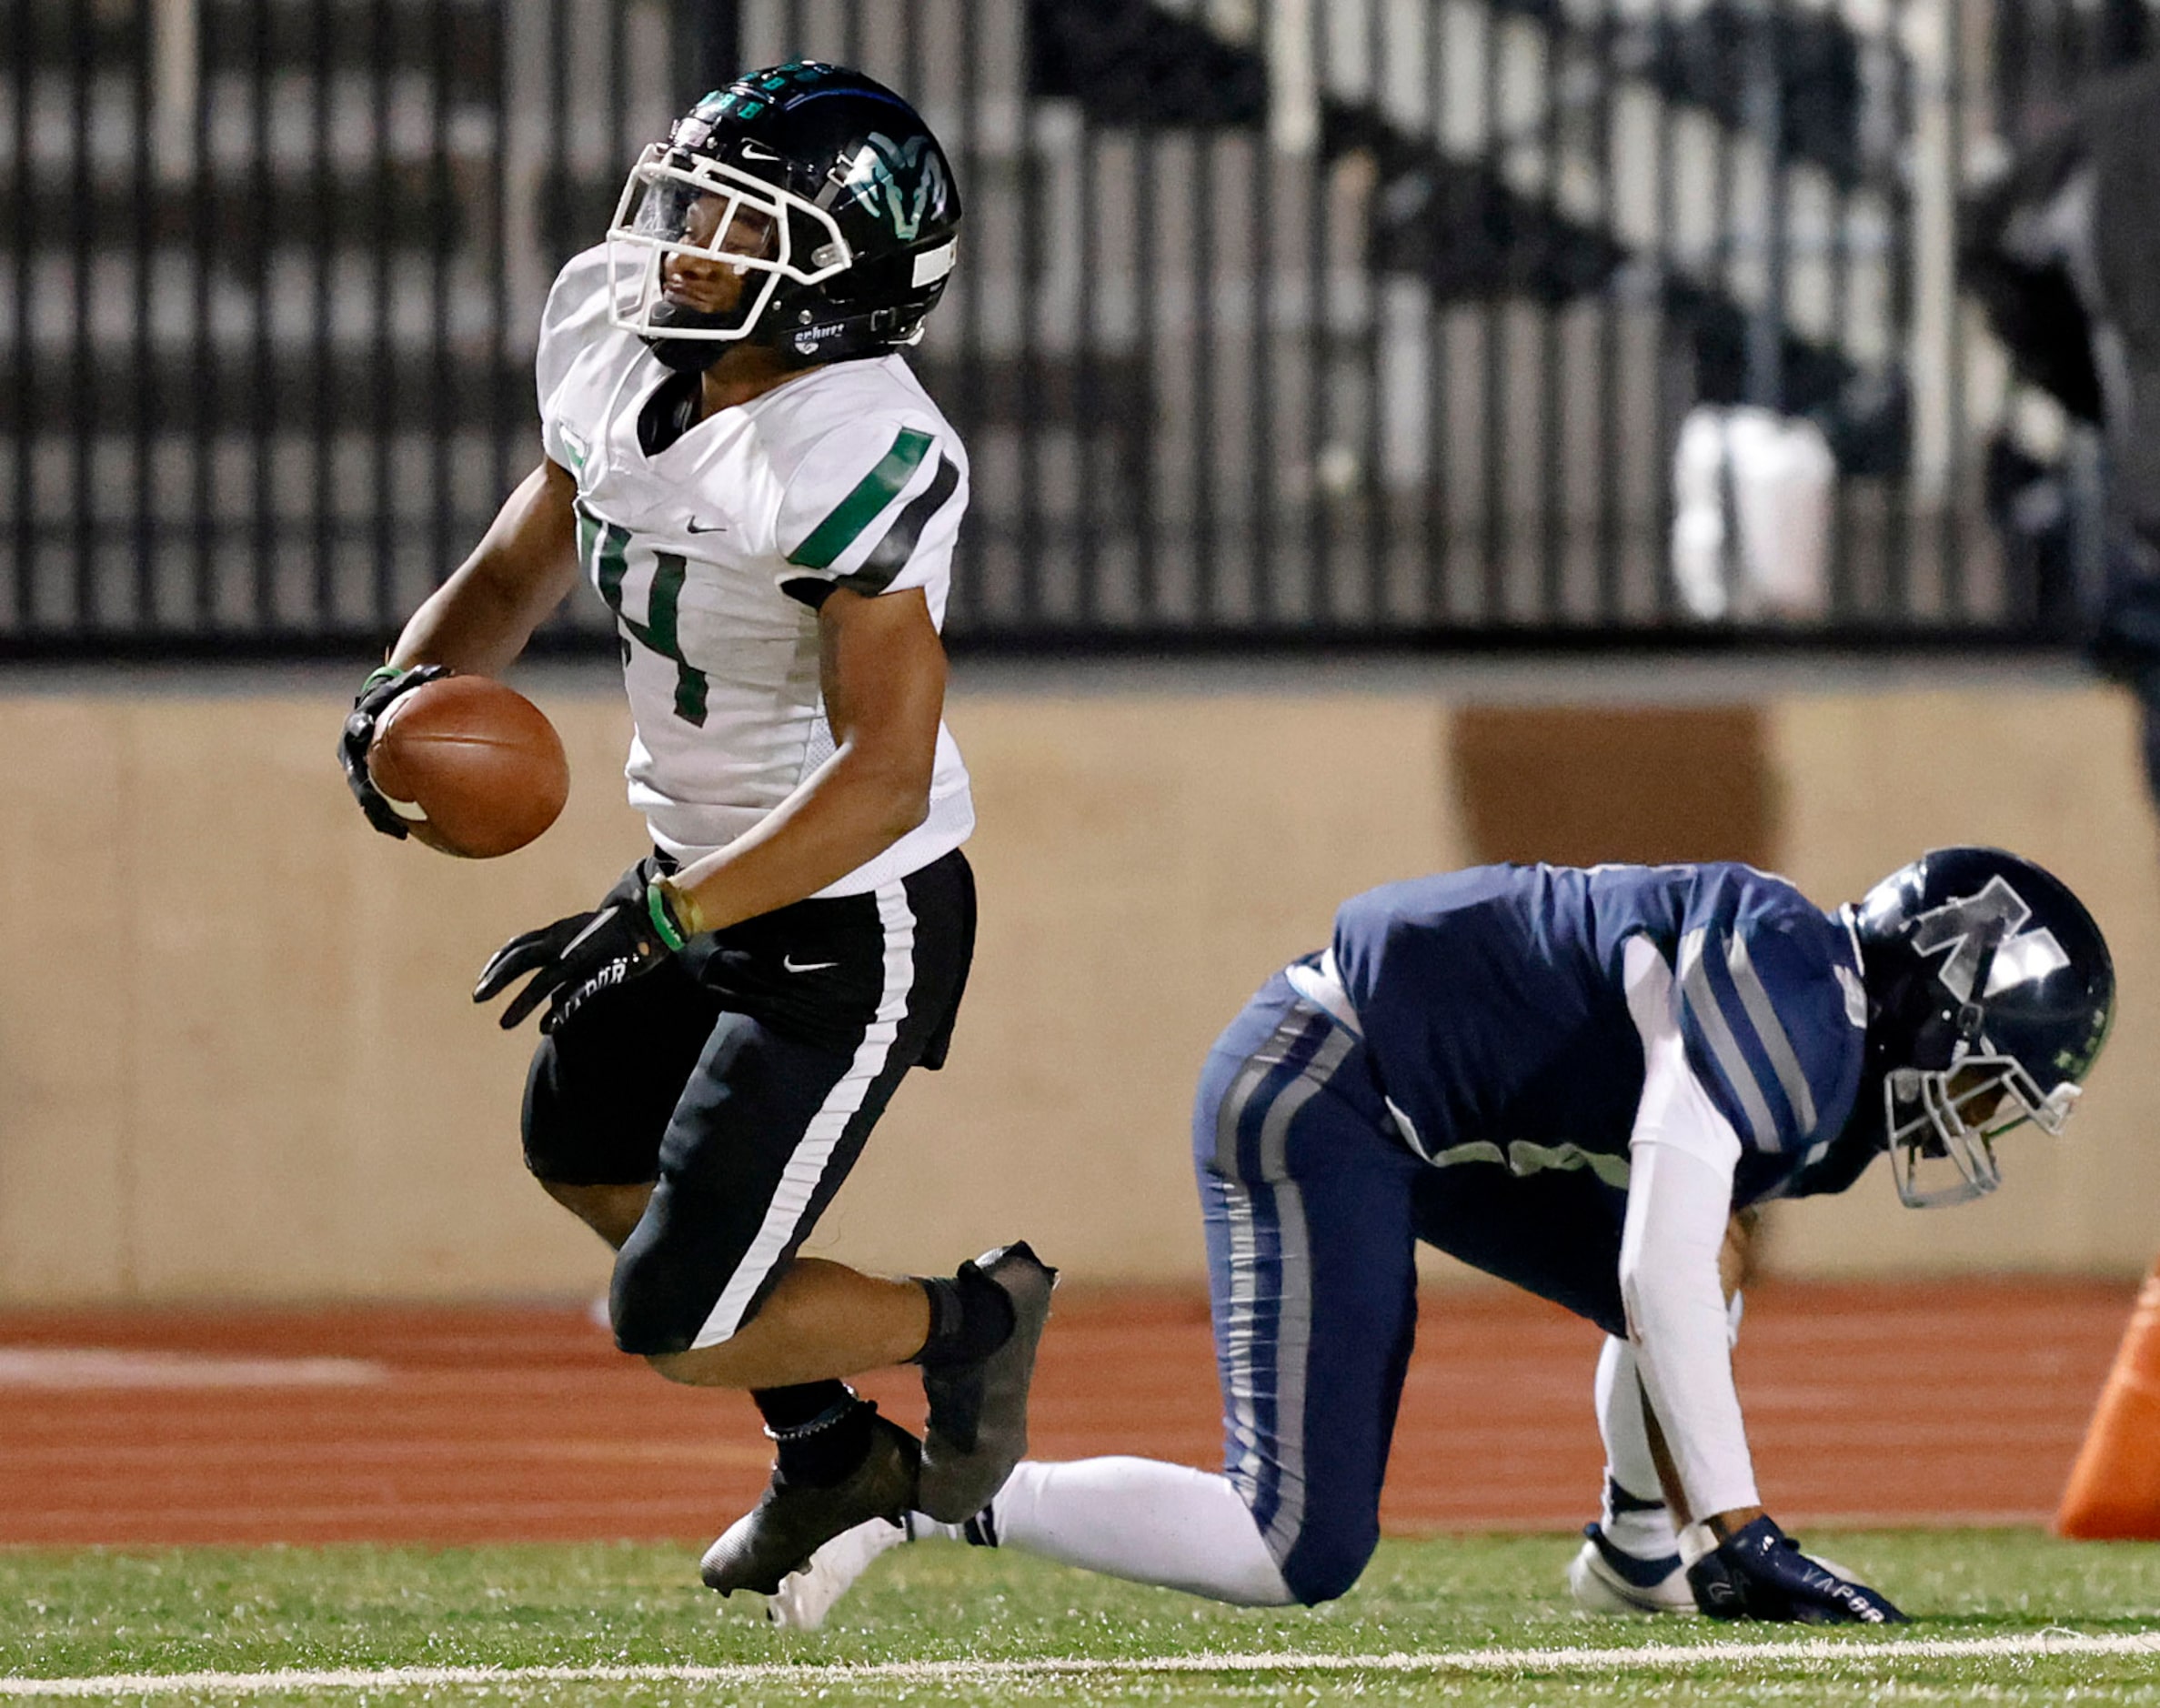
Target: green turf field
(950,1624)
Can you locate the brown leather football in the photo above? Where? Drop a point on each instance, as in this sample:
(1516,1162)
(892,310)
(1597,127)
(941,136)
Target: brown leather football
(474,768)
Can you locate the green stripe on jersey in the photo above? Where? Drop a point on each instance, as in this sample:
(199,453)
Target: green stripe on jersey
(855,512)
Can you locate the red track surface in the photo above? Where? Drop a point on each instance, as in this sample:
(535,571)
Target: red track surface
(1924,1404)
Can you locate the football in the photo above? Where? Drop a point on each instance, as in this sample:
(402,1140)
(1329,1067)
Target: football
(474,768)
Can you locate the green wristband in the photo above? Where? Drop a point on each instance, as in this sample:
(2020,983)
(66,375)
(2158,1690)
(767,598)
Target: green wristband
(663,920)
(381,673)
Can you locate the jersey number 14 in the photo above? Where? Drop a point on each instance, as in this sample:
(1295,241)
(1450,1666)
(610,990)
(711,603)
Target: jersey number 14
(605,548)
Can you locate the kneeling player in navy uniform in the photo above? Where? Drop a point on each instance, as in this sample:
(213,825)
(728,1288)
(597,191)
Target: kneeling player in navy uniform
(1572,1079)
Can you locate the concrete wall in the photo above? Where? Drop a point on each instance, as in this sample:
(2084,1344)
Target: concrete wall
(237,1056)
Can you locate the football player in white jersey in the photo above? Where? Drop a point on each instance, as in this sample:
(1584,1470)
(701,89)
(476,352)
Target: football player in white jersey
(742,463)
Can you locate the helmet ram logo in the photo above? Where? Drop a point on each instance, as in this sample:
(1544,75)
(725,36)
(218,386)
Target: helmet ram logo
(1961,926)
(909,176)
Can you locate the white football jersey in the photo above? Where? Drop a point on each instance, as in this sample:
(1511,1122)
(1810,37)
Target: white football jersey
(714,554)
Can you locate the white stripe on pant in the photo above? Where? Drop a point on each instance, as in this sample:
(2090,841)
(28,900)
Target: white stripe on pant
(806,1167)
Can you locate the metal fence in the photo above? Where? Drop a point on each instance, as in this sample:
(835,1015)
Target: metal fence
(1278,319)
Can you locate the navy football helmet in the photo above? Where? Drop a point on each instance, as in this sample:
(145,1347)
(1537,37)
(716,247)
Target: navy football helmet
(1989,992)
(826,192)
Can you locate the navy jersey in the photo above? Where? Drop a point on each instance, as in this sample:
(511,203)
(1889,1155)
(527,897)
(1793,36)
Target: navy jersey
(1495,1013)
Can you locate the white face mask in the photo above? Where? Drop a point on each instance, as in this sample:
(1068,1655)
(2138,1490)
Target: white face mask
(1942,1125)
(680,203)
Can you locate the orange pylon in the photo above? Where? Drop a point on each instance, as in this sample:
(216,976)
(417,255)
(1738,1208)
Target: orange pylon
(2114,1487)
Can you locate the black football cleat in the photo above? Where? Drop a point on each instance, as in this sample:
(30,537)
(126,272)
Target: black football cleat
(793,1520)
(977,1430)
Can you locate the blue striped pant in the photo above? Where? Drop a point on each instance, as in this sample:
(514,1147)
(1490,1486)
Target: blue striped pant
(1314,1210)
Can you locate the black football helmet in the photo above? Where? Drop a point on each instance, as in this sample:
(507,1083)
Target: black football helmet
(850,234)
(1989,993)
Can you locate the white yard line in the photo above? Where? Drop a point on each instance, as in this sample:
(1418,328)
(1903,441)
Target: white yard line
(1811,1653)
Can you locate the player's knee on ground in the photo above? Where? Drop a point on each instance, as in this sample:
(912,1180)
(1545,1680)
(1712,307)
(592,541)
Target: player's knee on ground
(1330,1556)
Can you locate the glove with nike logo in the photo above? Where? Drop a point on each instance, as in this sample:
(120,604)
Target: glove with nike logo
(1759,1572)
(632,932)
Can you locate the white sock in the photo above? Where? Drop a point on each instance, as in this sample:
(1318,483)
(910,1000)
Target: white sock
(1137,1519)
(1629,1471)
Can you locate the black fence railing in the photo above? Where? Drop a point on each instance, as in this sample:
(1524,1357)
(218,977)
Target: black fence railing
(1373,319)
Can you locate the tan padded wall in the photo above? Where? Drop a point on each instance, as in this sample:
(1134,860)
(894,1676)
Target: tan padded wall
(238,1058)
(68,1198)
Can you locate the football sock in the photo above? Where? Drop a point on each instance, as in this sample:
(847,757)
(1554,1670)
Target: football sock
(971,1317)
(820,1429)
(1137,1518)
(1633,1515)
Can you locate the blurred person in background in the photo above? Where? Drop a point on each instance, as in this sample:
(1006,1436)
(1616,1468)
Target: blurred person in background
(2063,249)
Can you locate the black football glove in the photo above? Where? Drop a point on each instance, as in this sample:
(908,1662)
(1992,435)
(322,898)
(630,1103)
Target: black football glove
(376,692)
(1759,1572)
(632,932)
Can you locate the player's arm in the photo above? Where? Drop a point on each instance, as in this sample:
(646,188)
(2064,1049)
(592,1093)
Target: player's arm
(525,566)
(1680,1195)
(883,670)
(476,621)
(1682,1157)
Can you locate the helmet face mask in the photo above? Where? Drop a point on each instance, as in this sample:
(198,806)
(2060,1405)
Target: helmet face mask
(821,189)
(1942,1125)
(1989,993)
(680,203)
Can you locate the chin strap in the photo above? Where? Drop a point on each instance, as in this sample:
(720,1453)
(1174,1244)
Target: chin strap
(686,355)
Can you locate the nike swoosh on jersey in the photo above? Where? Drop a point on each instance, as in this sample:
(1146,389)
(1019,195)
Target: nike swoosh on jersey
(809,966)
(695,526)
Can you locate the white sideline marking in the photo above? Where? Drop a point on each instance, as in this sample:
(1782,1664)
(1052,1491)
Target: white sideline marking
(76,1367)
(1811,1652)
